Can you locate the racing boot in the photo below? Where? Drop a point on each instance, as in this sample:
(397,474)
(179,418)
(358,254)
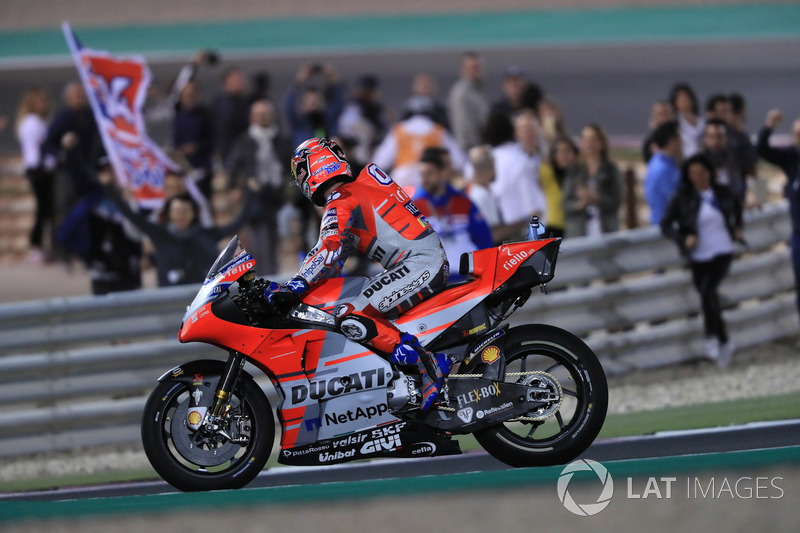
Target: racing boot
(432,367)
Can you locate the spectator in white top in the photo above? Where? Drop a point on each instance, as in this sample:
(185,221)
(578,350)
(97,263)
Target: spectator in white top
(704,219)
(480,192)
(467,103)
(687,110)
(31,133)
(516,186)
(402,147)
(479,189)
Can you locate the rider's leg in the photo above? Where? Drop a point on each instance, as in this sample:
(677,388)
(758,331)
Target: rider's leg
(432,367)
(393,292)
(375,331)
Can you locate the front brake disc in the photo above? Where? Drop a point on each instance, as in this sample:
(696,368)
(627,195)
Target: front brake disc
(192,451)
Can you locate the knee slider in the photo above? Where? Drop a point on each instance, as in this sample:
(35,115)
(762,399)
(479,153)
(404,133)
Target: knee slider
(356,327)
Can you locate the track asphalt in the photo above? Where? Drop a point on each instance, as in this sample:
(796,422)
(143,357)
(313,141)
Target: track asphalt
(750,446)
(470,481)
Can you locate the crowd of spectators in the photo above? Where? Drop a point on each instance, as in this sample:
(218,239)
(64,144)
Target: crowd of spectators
(478,168)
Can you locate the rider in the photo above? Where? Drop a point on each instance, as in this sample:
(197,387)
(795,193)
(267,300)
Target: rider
(372,214)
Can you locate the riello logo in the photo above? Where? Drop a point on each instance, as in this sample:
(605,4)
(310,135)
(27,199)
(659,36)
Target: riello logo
(585,509)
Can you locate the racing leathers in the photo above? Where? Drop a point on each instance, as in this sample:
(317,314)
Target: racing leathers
(373,215)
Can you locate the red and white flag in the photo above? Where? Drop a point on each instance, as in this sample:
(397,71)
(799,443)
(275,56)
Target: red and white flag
(116,89)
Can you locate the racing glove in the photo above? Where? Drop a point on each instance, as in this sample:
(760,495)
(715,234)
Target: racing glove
(283,297)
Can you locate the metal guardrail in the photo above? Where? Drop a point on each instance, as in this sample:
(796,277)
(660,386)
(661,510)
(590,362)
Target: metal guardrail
(75,372)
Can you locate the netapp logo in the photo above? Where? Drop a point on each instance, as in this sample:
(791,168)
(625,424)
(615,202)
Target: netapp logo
(352,416)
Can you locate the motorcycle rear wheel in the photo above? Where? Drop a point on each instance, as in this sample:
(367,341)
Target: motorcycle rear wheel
(580,416)
(188,466)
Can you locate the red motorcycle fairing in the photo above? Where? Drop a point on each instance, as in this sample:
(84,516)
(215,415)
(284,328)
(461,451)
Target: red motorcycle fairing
(337,387)
(332,386)
(341,402)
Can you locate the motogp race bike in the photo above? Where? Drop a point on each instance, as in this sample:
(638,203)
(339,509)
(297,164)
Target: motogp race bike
(531,394)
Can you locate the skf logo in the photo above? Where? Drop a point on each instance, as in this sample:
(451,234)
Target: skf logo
(490,355)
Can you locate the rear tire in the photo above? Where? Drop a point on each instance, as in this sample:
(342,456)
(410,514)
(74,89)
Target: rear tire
(191,466)
(579,418)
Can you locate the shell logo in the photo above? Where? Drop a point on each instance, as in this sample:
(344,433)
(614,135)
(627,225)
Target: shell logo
(195,417)
(490,355)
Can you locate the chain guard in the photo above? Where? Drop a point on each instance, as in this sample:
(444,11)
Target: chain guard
(473,403)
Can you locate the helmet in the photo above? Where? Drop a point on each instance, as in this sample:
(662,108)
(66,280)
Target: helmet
(317,164)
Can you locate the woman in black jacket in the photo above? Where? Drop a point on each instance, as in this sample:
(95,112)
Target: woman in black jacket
(704,219)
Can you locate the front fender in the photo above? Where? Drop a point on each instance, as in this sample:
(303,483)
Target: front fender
(195,371)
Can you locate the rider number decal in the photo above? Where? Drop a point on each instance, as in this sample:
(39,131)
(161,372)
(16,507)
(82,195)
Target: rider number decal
(378,175)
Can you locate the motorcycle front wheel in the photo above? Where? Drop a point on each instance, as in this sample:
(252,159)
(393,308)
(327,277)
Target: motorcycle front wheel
(198,461)
(572,424)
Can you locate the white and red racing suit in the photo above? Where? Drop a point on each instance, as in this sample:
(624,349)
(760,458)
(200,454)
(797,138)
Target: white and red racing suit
(373,215)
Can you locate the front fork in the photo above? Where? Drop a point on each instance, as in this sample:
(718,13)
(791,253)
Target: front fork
(227,381)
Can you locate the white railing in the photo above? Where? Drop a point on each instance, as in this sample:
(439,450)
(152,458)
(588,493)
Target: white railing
(75,372)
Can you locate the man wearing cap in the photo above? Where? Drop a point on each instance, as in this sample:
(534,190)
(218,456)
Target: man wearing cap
(518,93)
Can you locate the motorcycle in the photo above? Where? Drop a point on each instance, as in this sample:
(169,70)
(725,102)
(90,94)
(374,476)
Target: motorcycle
(531,395)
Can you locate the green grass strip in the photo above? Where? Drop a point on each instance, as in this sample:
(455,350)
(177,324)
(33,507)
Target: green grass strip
(80,480)
(780,407)
(327,492)
(427,31)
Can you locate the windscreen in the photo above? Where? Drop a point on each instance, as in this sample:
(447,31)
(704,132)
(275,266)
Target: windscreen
(224,257)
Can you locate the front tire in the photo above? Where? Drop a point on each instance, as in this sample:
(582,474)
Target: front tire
(575,424)
(191,464)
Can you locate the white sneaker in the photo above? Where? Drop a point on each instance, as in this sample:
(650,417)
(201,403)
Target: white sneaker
(711,349)
(725,353)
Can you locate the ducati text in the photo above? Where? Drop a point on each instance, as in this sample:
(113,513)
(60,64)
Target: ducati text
(322,388)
